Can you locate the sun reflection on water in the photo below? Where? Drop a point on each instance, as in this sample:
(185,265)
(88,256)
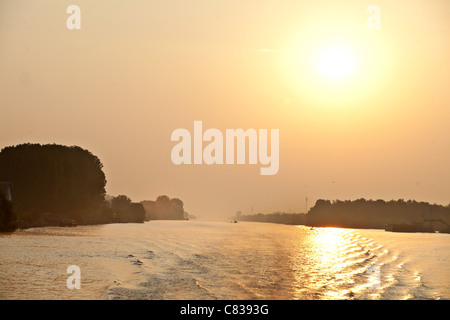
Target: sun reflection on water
(336,260)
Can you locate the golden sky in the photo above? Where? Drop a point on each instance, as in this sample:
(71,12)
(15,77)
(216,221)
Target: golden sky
(361,112)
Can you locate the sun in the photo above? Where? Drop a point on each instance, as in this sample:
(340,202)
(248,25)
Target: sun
(336,62)
(335,70)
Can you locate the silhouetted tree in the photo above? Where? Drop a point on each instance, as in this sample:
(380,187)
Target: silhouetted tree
(165,208)
(176,209)
(53,180)
(276,217)
(121,202)
(124,210)
(362,213)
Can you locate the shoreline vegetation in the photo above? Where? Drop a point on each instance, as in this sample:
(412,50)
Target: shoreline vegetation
(365,214)
(56,185)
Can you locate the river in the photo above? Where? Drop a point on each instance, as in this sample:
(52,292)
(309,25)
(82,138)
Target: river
(198,260)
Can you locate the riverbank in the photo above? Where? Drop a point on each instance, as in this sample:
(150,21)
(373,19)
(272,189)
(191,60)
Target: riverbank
(366,214)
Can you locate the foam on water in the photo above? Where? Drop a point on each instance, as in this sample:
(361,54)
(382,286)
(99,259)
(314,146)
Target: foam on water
(216,260)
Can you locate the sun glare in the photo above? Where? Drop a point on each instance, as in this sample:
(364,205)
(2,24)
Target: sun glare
(336,63)
(335,68)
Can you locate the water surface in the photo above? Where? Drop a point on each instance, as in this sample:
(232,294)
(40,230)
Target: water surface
(219,260)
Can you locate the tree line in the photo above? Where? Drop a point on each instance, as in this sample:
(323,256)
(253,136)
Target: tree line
(62,185)
(165,208)
(276,217)
(376,214)
(363,214)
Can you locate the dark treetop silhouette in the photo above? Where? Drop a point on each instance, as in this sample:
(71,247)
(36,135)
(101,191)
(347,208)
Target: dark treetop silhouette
(53,183)
(61,185)
(365,214)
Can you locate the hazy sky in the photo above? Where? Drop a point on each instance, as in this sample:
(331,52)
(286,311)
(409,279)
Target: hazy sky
(138,69)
